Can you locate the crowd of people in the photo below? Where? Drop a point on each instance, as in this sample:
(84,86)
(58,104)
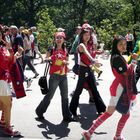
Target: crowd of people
(17,48)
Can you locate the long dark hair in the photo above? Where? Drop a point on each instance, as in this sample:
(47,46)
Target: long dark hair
(115,42)
(81,36)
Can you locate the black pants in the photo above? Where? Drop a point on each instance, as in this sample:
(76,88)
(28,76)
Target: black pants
(85,73)
(27,61)
(55,81)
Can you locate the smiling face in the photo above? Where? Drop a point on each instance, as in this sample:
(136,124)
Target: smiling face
(59,40)
(121,46)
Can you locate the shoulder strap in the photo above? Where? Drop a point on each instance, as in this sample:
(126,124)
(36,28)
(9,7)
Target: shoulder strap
(46,69)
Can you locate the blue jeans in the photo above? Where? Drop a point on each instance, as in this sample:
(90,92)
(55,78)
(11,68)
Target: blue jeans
(56,80)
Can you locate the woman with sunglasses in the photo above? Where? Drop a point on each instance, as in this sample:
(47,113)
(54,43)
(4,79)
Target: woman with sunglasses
(58,78)
(122,74)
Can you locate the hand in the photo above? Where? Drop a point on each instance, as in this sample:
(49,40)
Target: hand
(65,62)
(48,59)
(17,55)
(97,64)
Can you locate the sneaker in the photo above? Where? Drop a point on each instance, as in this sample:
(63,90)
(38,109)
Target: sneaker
(86,135)
(29,81)
(119,138)
(36,75)
(11,132)
(99,74)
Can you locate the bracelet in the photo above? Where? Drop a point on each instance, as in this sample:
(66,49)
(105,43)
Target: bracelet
(134,62)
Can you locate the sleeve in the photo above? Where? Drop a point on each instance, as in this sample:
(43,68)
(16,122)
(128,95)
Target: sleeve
(119,64)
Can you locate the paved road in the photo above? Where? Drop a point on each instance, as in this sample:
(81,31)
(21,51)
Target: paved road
(23,112)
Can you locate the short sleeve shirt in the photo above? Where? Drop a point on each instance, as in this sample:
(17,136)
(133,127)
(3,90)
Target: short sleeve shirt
(119,64)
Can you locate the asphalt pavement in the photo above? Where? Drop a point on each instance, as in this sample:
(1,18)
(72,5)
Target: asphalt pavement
(24,117)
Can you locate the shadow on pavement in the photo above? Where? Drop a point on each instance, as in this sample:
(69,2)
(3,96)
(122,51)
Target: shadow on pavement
(4,136)
(59,130)
(88,115)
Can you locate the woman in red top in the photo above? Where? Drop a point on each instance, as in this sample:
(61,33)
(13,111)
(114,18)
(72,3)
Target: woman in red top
(6,60)
(85,50)
(58,78)
(122,73)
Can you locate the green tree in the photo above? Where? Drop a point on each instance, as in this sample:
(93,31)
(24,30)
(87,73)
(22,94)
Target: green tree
(46,29)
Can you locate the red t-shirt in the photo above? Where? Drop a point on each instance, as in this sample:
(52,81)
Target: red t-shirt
(5,63)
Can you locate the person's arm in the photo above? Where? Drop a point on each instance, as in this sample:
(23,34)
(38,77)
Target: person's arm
(120,65)
(82,48)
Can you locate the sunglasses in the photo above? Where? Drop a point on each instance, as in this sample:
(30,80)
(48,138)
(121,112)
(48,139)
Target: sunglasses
(59,37)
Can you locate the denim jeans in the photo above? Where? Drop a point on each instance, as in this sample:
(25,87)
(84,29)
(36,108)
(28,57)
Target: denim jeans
(85,74)
(56,80)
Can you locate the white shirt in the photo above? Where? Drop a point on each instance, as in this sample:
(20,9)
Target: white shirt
(32,38)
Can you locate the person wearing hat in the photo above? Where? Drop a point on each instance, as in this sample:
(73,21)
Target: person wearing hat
(60,30)
(58,78)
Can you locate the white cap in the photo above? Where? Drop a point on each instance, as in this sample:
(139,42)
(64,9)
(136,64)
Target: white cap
(13,27)
(33,28)
(60,30)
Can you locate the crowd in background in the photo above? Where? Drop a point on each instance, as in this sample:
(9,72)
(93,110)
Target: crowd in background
(18,48)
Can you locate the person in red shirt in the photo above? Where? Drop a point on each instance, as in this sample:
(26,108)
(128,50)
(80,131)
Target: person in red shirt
(85,50)
(7,58)
(124,81)
(58,78)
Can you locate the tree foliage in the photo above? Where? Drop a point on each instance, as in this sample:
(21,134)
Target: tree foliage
(46,28)
(108,16)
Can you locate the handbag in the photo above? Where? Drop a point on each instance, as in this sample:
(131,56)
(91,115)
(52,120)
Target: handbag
(123,104)
(42,82)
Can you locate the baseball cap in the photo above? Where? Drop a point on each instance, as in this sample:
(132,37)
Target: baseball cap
(13,27)
(78,27)
(86,26)
(26,31)
(60,29)
(60,34)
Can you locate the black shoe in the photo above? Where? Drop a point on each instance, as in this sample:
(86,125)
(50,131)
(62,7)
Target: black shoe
(36,75)
(99,74)
(41,117)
